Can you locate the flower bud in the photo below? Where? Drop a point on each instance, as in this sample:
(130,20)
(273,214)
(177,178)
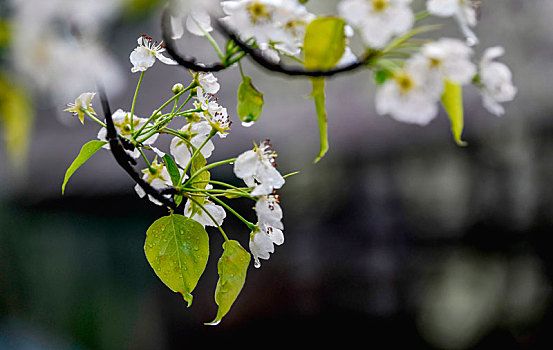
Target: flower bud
(177,88)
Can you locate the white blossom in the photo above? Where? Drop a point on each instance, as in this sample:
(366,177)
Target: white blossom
(462,10)
(411,95)
(496,79)
(215,114)
(195,14)
(378,20)
(257,168)
(197,134)
(269,216)
(449,59)
(122,123)
(81,102)
(158,177)
(216,211)
(278,26)
(208,82)
(144,56)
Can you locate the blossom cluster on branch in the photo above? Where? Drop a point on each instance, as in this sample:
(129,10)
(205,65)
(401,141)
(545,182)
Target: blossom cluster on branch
(413,76)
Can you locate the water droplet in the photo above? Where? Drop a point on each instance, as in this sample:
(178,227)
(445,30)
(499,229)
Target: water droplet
(248,124)
(257,264)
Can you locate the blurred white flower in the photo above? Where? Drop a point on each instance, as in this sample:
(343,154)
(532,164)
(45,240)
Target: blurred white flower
(448,58)
(195,14)
(462,10)
(144,56)
(496,79)
(81,102)
(378,20)
(55,44)
(197,133)
(410,96)
(216,211)
(122,122)
(257,169)
(276,25)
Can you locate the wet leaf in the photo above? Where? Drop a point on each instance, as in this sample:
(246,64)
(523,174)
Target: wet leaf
(177,248)
(250,101)
(232,267)
(324,43)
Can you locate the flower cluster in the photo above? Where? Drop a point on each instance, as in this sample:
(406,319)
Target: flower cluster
(185,168)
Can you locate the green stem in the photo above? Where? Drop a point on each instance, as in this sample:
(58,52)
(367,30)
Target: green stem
(250,225)
(192,85)
(145,159)
(134,100)
(213,182)
(93,117)
(211,41)
(196,152)
(207,167)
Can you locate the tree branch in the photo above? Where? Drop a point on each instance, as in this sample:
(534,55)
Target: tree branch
(118,145)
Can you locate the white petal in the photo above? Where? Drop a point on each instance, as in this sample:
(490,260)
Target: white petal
(166,60)
(180,152)
(246,164)
(176,27)
(142,59)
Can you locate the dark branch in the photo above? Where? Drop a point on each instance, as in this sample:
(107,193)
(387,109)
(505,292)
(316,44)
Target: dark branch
(254,53)
(187,62)
(124,160)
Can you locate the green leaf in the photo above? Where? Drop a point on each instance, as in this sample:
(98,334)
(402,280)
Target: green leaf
(324,43)
(177,249)
(86,152)
(250,101)
(318,95)
(232,267)
(172,169)
(452,100)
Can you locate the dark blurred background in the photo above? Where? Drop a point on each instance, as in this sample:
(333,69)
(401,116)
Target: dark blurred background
(398,237)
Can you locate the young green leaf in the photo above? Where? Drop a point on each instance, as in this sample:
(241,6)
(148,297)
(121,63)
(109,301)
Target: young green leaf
(324,43)
(232,267)
(177,249)
(250,101)
(172,169)
(452,100)
(86,152)
(318,95)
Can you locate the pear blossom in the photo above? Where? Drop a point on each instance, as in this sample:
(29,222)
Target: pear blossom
(81,102)
(496,79)
(122,123)
(216,115)
(197,133)
(411,95)
(158,177)
(269,232)
(448,58)
(144,56)
(464,11)
(216,211)
(208,82)
(378,20)
(278,26)
(194,14)
(257,168)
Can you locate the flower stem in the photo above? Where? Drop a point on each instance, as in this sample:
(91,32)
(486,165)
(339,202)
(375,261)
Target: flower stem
(207,167)
(93,117)
(195,154)
(134,99)
(211,41)
(250,225)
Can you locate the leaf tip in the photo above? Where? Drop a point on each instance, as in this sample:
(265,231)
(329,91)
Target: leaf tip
(215,322)
(187,297)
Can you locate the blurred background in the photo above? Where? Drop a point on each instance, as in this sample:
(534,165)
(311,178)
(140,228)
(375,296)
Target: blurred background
(397,237)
